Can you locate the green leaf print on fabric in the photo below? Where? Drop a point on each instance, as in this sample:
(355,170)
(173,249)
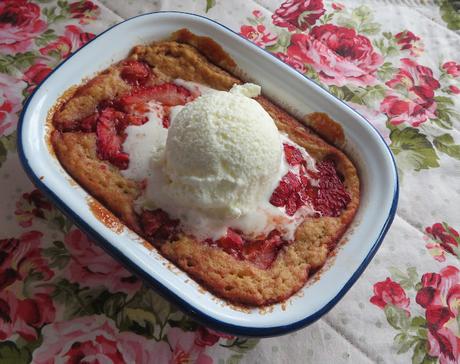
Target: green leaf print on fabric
(326,18)
(10,63)
(55,14)
(387,45)
(57,254)
(412,149)
(11,354)
(368,95)
(397,317)
(404,342)
(7,144)
(386,71)
(146,313)
(210,4)
(407,280)
(75,300)
(240,346)
(445,114)
(360,19)
(450,13)
(445,144)
(46,37)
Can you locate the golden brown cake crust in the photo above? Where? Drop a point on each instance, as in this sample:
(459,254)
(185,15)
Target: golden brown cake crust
(236,280)
(106,85)
(178,60)
(77,153)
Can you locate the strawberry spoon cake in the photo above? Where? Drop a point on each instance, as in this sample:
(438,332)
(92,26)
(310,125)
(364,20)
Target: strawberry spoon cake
(225,184)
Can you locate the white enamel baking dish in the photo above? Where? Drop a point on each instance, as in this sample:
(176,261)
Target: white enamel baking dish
(279,82)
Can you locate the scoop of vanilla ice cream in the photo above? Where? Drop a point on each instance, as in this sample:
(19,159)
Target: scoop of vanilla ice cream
(223,152)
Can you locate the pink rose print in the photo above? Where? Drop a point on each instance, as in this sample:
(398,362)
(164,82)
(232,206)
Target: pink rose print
(24,316)
(338,6)
(416,78)
(409,41)
(85,11)
(293,62)
(207,337)
(257,13)
(258,35)
(92,267)
(444,344)
(33,204)
(19,257)
(411,98)
(72,39)
(95,339)
(451,68)
(454,89)
(443,239)
(436,251)
(338,54)
(184,349)
(35,74)
(61,47)
(301,14)
(10,102)
(399,111)
(20,23)
(390,292)
(77,36)
(440,297)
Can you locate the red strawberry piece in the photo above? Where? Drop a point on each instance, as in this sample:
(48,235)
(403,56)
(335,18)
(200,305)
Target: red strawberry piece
(158,225)
(166,120)
(110,113)
(293,181)
(110,127)
(304,195)
(293,155)
(130,119)
(108,142)
(112,103)
(232,243)
(88,124)
(171,95)
(120,160)
(135,72)
(280,194)
(123,120)
(331,196)
(293,203)
(168,94)
(287,194)
(263,252)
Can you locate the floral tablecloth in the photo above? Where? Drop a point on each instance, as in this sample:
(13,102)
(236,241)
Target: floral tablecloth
(62,299)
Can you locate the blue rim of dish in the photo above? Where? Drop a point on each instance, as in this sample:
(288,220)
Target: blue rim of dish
(160,288)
